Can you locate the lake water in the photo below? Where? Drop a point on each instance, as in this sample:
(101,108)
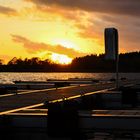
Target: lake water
(8,77)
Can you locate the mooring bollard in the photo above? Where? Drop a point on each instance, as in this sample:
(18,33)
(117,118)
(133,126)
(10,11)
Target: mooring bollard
(62,119)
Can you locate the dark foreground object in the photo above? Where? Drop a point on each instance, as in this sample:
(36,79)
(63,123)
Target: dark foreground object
(109,113)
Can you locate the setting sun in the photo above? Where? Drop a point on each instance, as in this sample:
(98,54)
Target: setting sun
(61,59)
(65,43)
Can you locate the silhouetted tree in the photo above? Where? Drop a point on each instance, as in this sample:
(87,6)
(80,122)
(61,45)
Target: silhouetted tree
(128,62)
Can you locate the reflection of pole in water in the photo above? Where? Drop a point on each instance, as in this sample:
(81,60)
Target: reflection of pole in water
(111,49)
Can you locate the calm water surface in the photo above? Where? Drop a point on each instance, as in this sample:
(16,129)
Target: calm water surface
(10,77)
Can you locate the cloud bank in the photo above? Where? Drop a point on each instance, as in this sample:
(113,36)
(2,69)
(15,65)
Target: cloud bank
(7,10)
(125,7)
(33,47)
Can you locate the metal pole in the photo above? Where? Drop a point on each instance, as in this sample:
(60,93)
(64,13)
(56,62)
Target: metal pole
(117,72)
(117,58)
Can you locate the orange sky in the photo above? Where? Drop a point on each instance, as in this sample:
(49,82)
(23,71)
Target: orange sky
(61,30)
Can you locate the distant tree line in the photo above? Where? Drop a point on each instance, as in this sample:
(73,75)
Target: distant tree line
(128,62)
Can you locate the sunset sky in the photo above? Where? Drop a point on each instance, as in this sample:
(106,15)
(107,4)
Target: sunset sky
(64,29)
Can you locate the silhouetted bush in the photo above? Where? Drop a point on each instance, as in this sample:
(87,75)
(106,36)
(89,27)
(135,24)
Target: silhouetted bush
(128,62)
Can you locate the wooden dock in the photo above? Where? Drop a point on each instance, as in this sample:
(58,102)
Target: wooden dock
(16,101)
(26,120)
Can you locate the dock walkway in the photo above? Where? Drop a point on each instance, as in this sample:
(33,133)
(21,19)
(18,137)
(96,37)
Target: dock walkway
(36,97)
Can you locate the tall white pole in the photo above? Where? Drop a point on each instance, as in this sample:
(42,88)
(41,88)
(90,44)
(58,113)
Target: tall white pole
(112,49)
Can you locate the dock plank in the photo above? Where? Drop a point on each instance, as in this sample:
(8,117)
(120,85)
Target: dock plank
(37,97)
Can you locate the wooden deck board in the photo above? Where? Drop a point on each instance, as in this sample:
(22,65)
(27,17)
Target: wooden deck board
(37,97)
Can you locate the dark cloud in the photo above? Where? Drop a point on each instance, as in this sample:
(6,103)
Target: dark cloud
(7,10)
(129,30)
(126,7)
(128,27)
(121,14)
(33,47)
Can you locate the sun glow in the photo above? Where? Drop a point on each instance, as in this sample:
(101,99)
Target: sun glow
(65,43)
(61,59)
